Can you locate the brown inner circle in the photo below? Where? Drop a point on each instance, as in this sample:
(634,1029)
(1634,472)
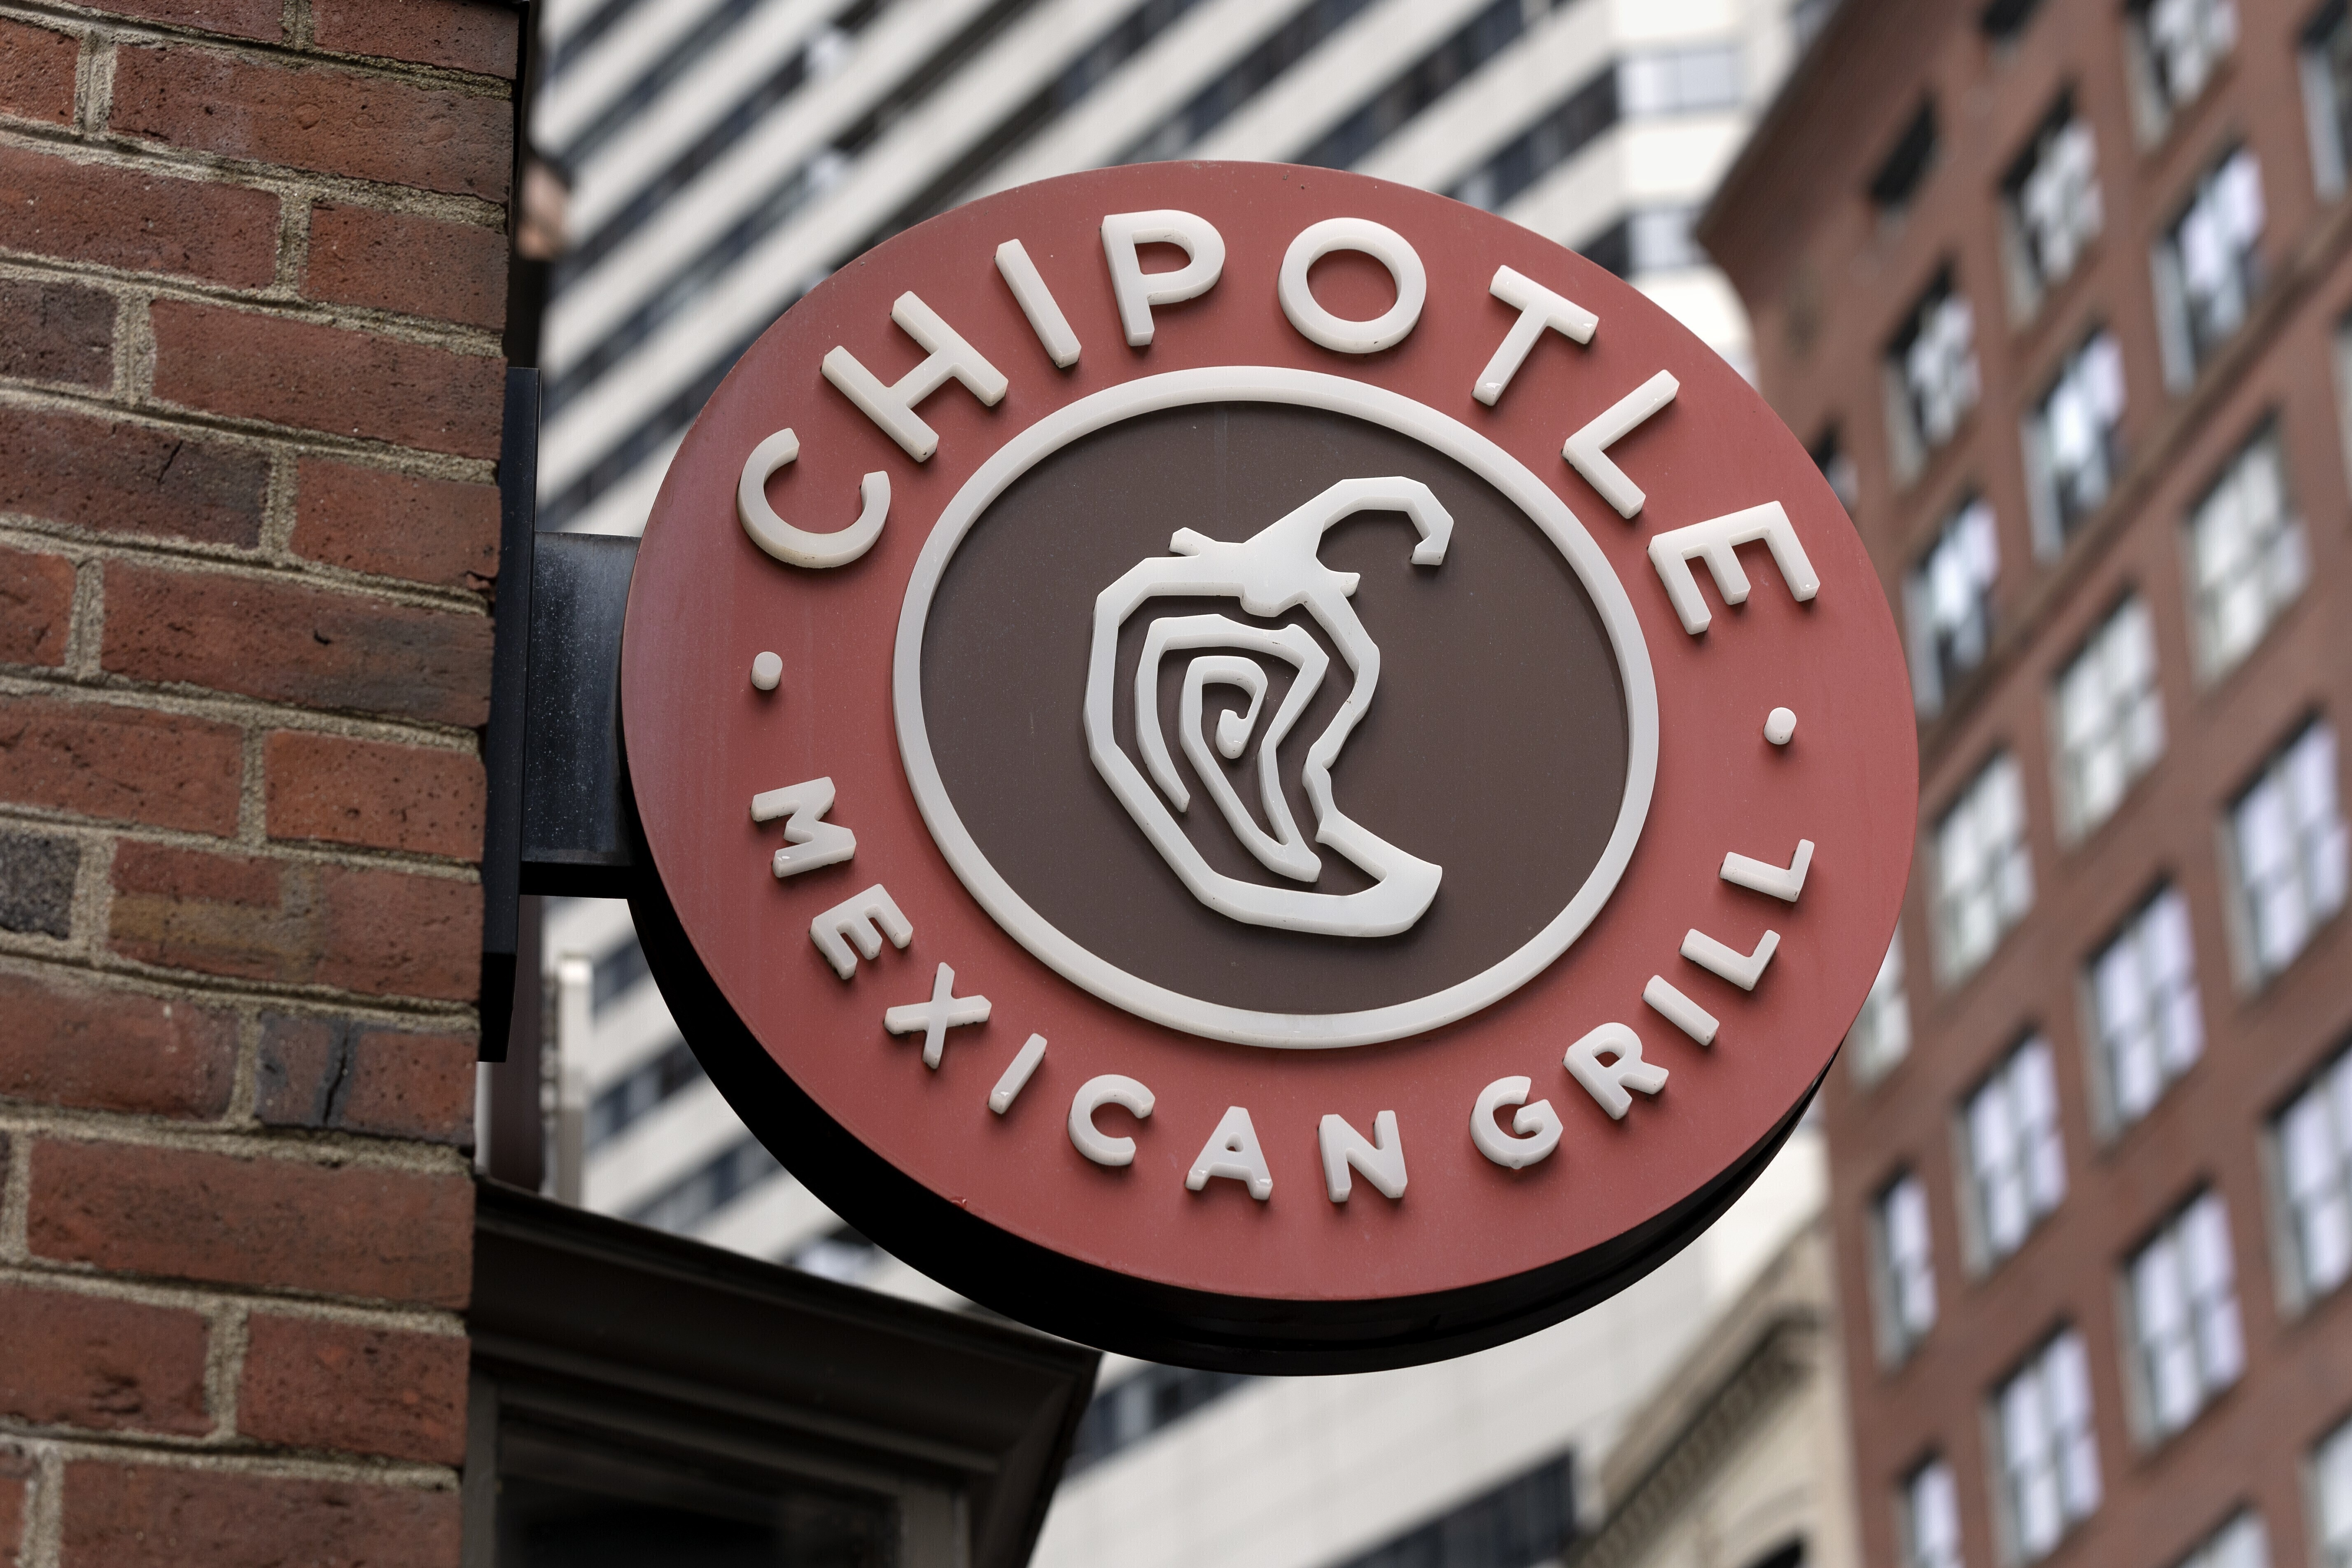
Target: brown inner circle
(1494,744)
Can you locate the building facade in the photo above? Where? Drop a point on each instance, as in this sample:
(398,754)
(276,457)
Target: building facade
(2058,293)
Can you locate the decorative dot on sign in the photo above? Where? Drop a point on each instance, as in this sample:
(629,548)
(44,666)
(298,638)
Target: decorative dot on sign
(1779,725)
(767,670)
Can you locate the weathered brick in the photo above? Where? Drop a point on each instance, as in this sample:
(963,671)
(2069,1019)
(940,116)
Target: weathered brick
(122,763)
(314,1385)
(72,1043)
(350,1230)
(126,479)
(290,642)
(139,1516)
(136,220)
(462,34)
(88,1360)
(425,799)
(37,82)
(238,18)
(36,889)
(331,379)
(56,332)
(341,1074)
(15,1488)
(316,117)
(296,922)
(35,607)
(370,520)
(400,261)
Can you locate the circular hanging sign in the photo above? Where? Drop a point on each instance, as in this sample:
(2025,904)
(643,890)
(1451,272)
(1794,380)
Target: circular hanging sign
(1259,767)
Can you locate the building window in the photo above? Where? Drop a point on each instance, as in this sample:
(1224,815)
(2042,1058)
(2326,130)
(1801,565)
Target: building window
(1931,1517)
(1133,1408)
(1649,239)
(2074,441)
(2247,557)
(2146,1016)
(2174,46)
(2048,1460)
(2331,1488)
(2017,1164)
(1530,1519)
(708,1188)
(1948,604)
(1984,872)
(2241,1543)
(1880,1035)
(2108,716)
(2207,267)
(1906,164)
(2287,837)
(2313,1137)
(644,1090)
(2328,94)
(2051,207)
(1836,464)
(2187,1343)
(1931,375)
(1906,1270)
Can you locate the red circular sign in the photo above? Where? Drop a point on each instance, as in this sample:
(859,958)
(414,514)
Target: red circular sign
(1258,766)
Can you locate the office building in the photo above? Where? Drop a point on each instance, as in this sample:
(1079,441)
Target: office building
(2058,293)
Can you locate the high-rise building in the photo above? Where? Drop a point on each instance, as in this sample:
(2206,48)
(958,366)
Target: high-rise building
(2059,292)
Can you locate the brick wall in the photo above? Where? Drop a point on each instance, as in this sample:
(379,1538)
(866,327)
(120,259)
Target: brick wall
(252,263)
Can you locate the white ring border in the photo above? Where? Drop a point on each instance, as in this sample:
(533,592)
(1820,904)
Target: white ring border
(1267,384)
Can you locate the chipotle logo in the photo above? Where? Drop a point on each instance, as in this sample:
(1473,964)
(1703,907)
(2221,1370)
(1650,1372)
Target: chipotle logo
(1259,767)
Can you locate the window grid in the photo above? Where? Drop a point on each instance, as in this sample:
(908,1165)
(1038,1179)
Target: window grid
(2327,95)
(2109,717)
(2287,832)
(1931,1517)
(2017,1161)
(2247,556)
(1932,374)
(2241,1543)
(1881,1036)
(2188,1344)
(1984,870)
(2053,204)
(2049,1458)
(2207,267)
(2331,1488)
(2314,1142)
(1948,603)
(2146,1017)
(2074,441)
(1906,1267)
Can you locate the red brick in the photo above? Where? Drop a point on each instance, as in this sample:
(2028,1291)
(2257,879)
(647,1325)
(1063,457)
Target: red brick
(428,800)
(136,220)
(399,261)
(56,332)
(291,642)
(313,1385)
(463,35)
(35,607)
(78,1045)
(317,117)
(138,1516)
(298,922)
(315,377)
(368,520)
(238,18)
(37,82)
(348,1230)
(126,479)
(15,1483)
(125,764)
(86,1361)
(341,1074)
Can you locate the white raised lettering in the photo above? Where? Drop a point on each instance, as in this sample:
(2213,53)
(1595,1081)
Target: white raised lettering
(1231,1153)
(1586,450)
(1539,308)
(1742,969)
(1017,1076)
(1607,1081)
(893,406)
(1036,302)
(1680,1011)
(1718,540)
(795,546)
(934,1018)
(1137,290)
(854,918)
(1111,1089)
(1537,1125)
(1383,245)
(1380,1158)
(1783,883)
(809,842)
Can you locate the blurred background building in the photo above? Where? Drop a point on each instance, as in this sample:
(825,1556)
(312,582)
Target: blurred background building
(700,165)
(2062,296)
